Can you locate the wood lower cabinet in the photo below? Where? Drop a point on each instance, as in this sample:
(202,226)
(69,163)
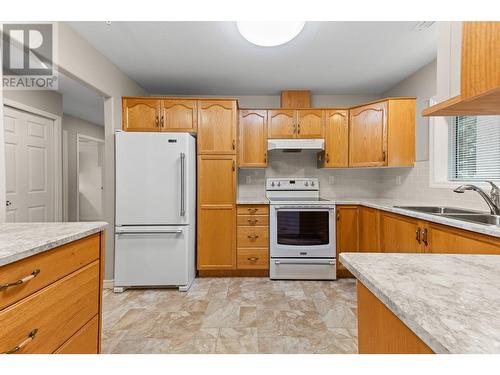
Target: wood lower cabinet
(252,140)
(401,234)
(382,133)
(347,235)
(58,310)
(179,115)
(281,123)
(216,240)
(141,114)
(310,123)
(217,121)
(253,237)
(369,229)
(336,153)
(382,332)
(445,239)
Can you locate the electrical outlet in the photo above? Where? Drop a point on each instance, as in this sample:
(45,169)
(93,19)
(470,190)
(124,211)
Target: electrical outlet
(331,180)
(398,180)
(248,179)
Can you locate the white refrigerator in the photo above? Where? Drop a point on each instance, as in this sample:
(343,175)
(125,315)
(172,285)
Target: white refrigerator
(155,210)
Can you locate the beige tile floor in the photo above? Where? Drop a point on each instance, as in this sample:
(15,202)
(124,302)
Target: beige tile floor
(234,315)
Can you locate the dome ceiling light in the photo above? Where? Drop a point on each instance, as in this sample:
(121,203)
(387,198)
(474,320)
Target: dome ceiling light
(269,34)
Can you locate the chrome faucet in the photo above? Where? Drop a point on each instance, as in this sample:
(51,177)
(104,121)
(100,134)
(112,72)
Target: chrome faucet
(492,200)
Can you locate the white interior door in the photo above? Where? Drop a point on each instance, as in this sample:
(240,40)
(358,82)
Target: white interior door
(90,178)
(29,167)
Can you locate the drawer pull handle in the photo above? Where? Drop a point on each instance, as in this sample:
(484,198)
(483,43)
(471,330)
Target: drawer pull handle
(253,259)
(424,237)
(25,342)
(252,221)
(418,235)
(252,210)
(253,236)
(24,280)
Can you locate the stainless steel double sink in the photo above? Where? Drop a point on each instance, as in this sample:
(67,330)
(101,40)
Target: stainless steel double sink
(472,216)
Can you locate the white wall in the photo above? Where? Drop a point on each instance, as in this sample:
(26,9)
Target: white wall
(45,100)
(74,126)
(90,174)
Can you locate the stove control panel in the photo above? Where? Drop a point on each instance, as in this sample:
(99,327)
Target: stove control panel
(291,184)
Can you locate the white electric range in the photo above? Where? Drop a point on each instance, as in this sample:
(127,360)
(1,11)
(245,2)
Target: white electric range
(302,230)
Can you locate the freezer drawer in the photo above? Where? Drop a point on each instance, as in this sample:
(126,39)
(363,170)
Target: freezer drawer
(153,256)
(302,269)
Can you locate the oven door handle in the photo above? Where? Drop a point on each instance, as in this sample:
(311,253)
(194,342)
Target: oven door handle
(318,208)
(315,262)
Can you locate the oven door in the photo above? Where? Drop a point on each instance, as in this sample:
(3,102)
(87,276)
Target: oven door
(302,232)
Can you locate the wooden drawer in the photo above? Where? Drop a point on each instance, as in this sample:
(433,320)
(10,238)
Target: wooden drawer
(253,258)
(52,265)
(57,312)
(85,341)
(252,237)
(253,209)
(253,220)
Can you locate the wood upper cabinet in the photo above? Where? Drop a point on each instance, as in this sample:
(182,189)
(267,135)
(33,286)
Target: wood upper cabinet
(336,153)
(479,73)
(369,229)
(347,235)
(179,115)
(281,123)
(216,212)
(368,135)
(401,234)
(310,123)
(140,114)
(252,149)
(383,134)
(217,127)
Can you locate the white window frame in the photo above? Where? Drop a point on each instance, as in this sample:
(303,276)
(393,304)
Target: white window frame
(438,156)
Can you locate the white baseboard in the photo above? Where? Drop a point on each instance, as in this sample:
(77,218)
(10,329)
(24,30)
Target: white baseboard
(108,284)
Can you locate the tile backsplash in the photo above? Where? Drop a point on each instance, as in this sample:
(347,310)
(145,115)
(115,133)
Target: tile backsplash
(398,183)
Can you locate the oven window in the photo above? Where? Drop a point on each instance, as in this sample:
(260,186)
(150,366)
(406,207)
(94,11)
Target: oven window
(303,228)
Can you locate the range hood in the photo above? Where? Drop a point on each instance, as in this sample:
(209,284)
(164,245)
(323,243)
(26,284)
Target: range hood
(296,144)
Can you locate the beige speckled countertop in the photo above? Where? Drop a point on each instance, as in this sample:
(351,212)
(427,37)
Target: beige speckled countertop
(450,301)
(22,240)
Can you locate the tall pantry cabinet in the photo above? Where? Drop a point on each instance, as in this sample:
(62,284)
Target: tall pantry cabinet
(216,241)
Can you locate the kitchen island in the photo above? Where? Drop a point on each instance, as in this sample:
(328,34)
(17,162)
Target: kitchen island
(427,303)
(51,287)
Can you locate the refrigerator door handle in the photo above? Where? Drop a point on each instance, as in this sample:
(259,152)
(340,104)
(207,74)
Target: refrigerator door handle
(183,196)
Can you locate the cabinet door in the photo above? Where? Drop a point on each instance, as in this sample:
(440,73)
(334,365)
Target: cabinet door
(449,240)
(216,212)
(310,123)
(216,127)
(400,234)
(281,123)
(369,229)
(347,235)
(336,138)
(178,115)
(140,115)
(216,239)
(252,149)
(368,135)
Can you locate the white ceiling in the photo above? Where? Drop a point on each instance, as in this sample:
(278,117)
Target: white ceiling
(213,58)
(81,101)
